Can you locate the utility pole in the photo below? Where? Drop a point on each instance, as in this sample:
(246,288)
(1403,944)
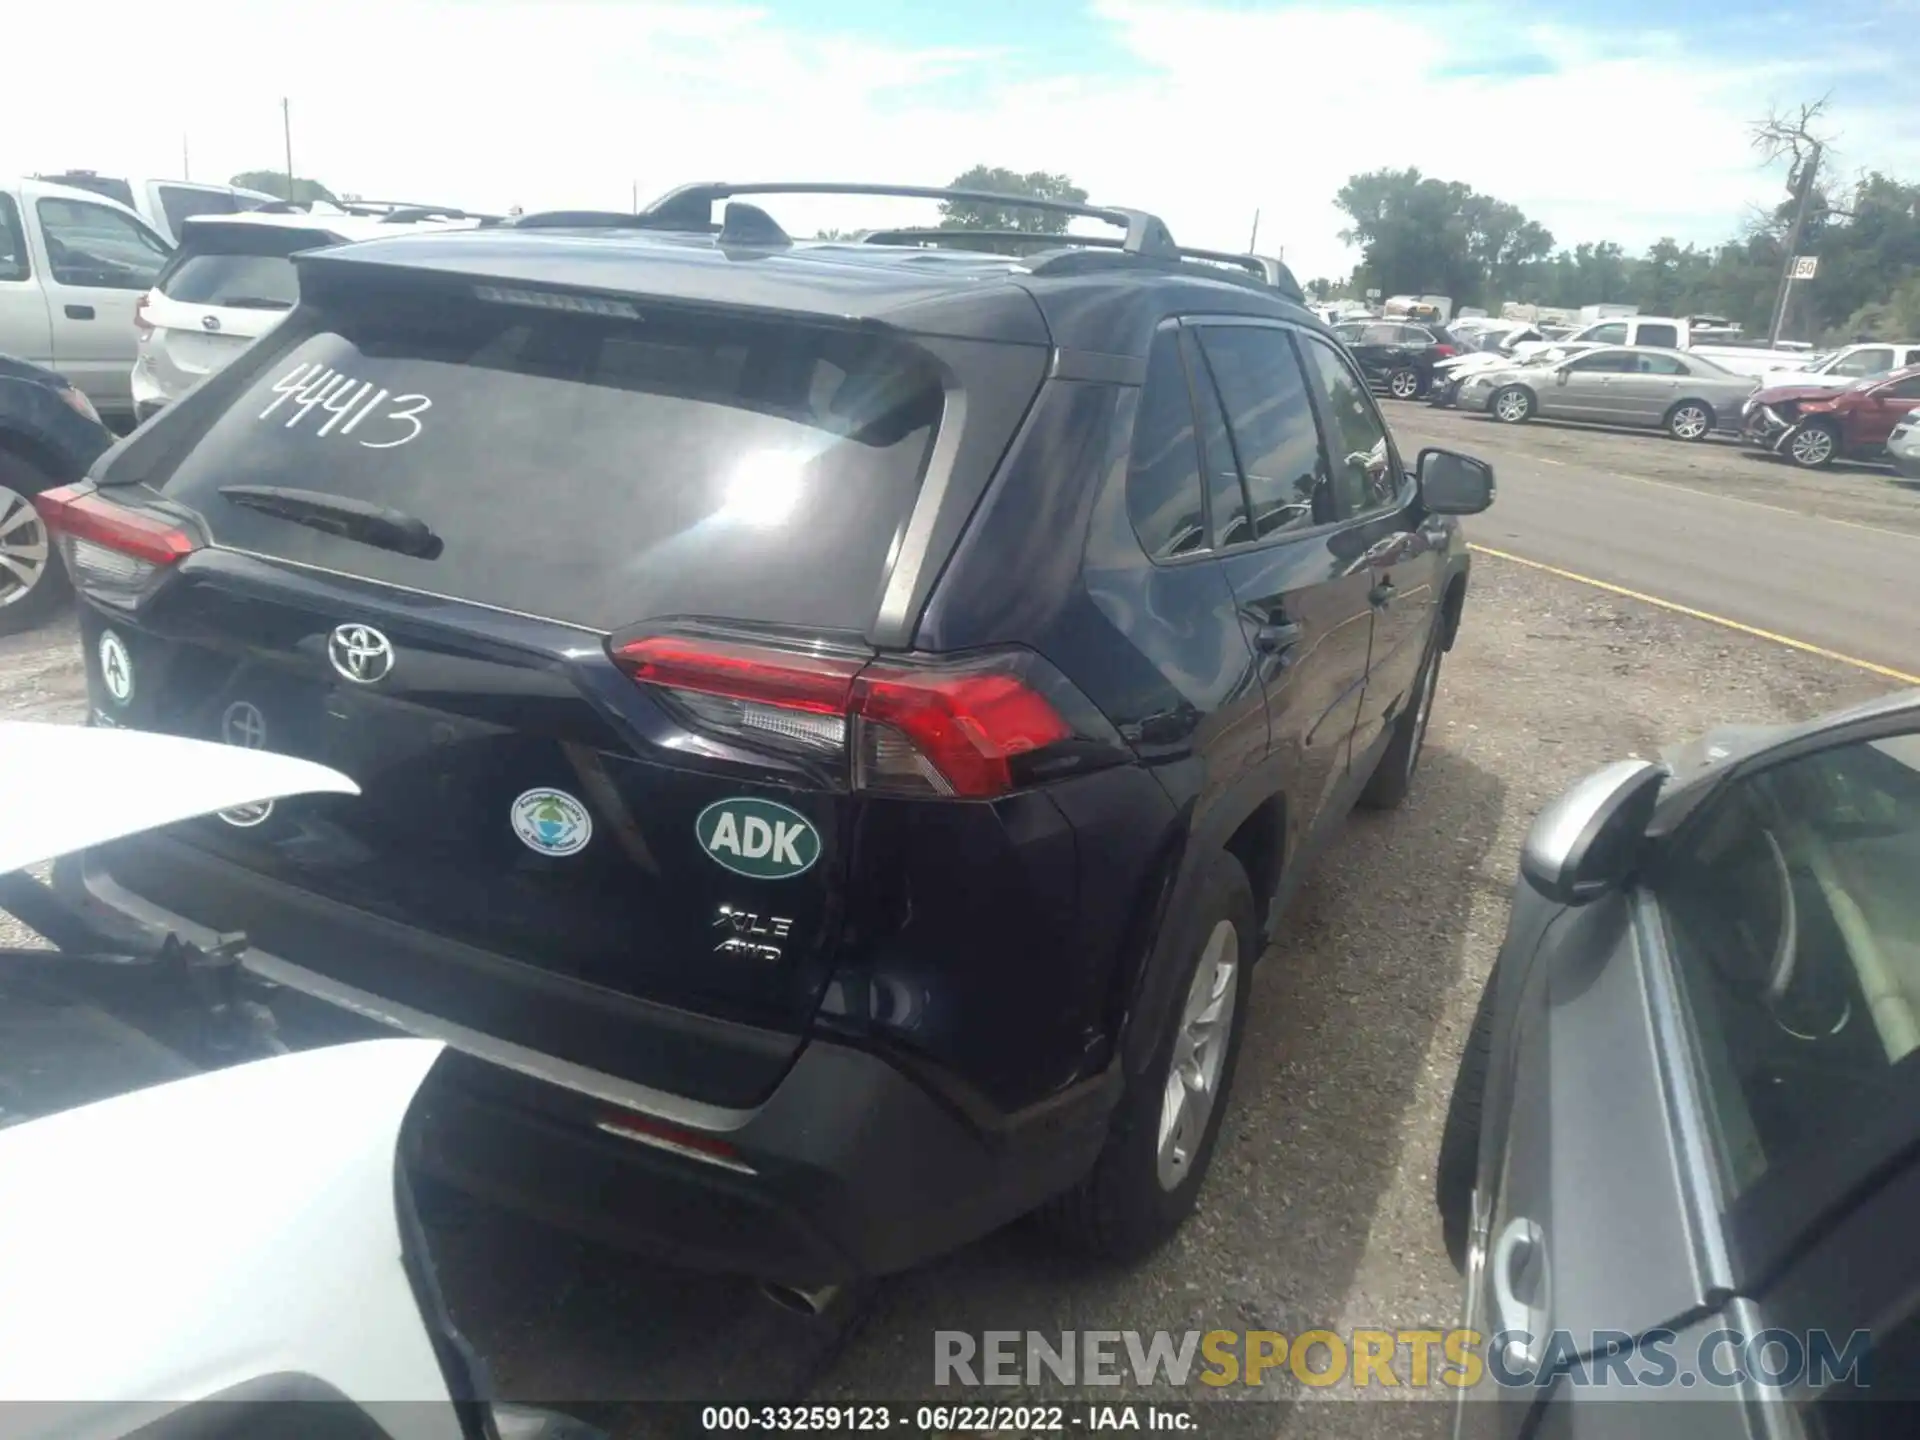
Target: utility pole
(286,132)
(636,197)
(186,166)
(1808,169)
(1253,242)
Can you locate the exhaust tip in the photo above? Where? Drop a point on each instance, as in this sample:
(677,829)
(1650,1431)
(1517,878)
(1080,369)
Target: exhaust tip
(810,1303)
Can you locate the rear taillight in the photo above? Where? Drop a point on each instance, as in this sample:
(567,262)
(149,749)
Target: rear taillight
(970,730)
(1444,351)
(112,553)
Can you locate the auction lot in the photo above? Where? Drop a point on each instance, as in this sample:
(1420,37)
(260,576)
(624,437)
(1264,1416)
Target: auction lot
(1319,1212)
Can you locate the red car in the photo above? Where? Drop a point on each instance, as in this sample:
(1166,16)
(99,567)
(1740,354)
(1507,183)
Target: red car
(1814,427)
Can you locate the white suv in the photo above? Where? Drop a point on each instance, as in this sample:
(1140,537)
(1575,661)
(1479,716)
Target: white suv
(232,280)
(166,205)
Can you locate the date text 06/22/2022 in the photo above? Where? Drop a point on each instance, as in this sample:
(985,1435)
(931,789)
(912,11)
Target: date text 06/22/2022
(948,1419)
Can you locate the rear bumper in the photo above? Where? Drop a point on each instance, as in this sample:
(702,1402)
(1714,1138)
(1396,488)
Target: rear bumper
(851,1166)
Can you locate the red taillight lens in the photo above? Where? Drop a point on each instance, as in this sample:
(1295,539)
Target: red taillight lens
(1444,352)
(77,512)
(112,553)
(967,728)
(953,730)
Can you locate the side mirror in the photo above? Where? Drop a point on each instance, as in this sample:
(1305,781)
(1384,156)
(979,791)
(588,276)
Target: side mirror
(1588,841)
(1454,484)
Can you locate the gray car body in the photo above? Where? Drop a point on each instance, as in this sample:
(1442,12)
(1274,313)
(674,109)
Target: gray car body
(1581,388)
(1593,1137)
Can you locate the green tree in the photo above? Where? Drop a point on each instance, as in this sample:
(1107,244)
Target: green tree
(274,182)
(1420,235)
(1036,184)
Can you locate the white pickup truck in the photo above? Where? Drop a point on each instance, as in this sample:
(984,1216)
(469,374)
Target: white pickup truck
(1849,363)
(73,269)
(1666,332)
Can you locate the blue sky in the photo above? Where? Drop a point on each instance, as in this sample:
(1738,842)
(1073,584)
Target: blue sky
(1619,120)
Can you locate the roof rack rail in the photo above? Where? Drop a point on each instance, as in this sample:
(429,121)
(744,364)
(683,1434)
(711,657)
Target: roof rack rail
(577,220)
(1265,269)
(690,207)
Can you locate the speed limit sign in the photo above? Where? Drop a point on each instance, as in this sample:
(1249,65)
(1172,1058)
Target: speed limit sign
(1804,266)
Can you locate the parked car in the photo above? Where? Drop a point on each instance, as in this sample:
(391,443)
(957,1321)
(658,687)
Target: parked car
(1398,356)
(234,1253)
(166,205)
(1813,425)
(73,266)
(1687,395)
(231,281)
(1668,332)
(1687,1101)
(1488,349)
(1848,365)
(799,898)
(49,436)
(1903,445)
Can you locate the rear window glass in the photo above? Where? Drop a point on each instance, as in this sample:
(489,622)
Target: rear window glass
(182,204)
(246,282)
(593,469)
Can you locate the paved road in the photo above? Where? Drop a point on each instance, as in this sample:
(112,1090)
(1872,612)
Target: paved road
(1615,508)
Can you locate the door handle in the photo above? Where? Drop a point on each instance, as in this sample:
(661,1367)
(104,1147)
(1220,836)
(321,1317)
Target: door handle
(1383,594)
(79,312)
(1521,1242)
(1276,639)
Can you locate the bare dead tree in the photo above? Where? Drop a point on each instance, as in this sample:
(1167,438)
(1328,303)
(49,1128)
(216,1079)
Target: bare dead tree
(1791,134)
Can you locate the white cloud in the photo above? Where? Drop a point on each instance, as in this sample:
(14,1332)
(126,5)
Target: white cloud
(494,102)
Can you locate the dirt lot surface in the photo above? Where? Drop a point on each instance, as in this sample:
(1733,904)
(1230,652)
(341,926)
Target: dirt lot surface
(1318,1212)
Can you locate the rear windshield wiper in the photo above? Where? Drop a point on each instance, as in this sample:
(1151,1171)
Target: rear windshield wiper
(255,302)
(356,520)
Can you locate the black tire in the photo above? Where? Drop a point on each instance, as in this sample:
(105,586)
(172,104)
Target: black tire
(1404,383)
(22,607)
(1392,779)
(1518,410)
(1810,452)
(1457,1169)
(1690,421)
(1122,1211)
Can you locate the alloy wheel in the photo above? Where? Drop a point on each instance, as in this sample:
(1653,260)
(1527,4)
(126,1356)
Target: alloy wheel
(1199,1055)
(1511,405)
(1404,384)
(1812,446)
(24,547)
(1689,422)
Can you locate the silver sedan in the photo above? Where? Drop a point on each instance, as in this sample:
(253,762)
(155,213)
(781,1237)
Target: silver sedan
(1685,394)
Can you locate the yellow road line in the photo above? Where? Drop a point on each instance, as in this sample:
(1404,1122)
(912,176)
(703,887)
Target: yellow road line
(1805,647)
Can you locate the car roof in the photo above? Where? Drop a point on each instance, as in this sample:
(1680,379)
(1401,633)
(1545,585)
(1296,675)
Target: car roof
(345,226)
(29,189)
(1093,300)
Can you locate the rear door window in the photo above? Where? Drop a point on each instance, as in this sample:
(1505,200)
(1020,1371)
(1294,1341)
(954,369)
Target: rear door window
(601,470)
(1163,473)
(1366,479)
(1270,420)
(1659,337)
(13,243)
(1607,334)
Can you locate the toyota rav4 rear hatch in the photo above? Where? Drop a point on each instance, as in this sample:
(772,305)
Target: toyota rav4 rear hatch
(577,588)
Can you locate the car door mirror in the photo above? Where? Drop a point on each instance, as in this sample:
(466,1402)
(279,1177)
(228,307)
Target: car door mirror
(1454,484)
(1589,841)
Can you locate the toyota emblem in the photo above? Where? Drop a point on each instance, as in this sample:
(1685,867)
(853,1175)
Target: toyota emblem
(209,322)
(360,653)
(244,725)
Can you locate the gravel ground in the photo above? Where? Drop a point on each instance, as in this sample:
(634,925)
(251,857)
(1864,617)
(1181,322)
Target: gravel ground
(1318,1212)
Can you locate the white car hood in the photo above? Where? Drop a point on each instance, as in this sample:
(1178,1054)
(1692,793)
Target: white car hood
(70,786)
(166,1245)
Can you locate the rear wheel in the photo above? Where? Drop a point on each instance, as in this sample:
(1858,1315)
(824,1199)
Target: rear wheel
(33,582)
(1403,384)
(1814,445)
(1148,1176)
(1690,420)
(1511,404)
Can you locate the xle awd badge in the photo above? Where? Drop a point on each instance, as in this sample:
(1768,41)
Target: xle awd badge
(757,838)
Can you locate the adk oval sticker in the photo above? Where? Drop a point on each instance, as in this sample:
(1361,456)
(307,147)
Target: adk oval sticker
(551,822)
(760,839)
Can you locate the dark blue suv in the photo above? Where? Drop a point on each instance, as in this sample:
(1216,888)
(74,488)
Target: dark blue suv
(834,721)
